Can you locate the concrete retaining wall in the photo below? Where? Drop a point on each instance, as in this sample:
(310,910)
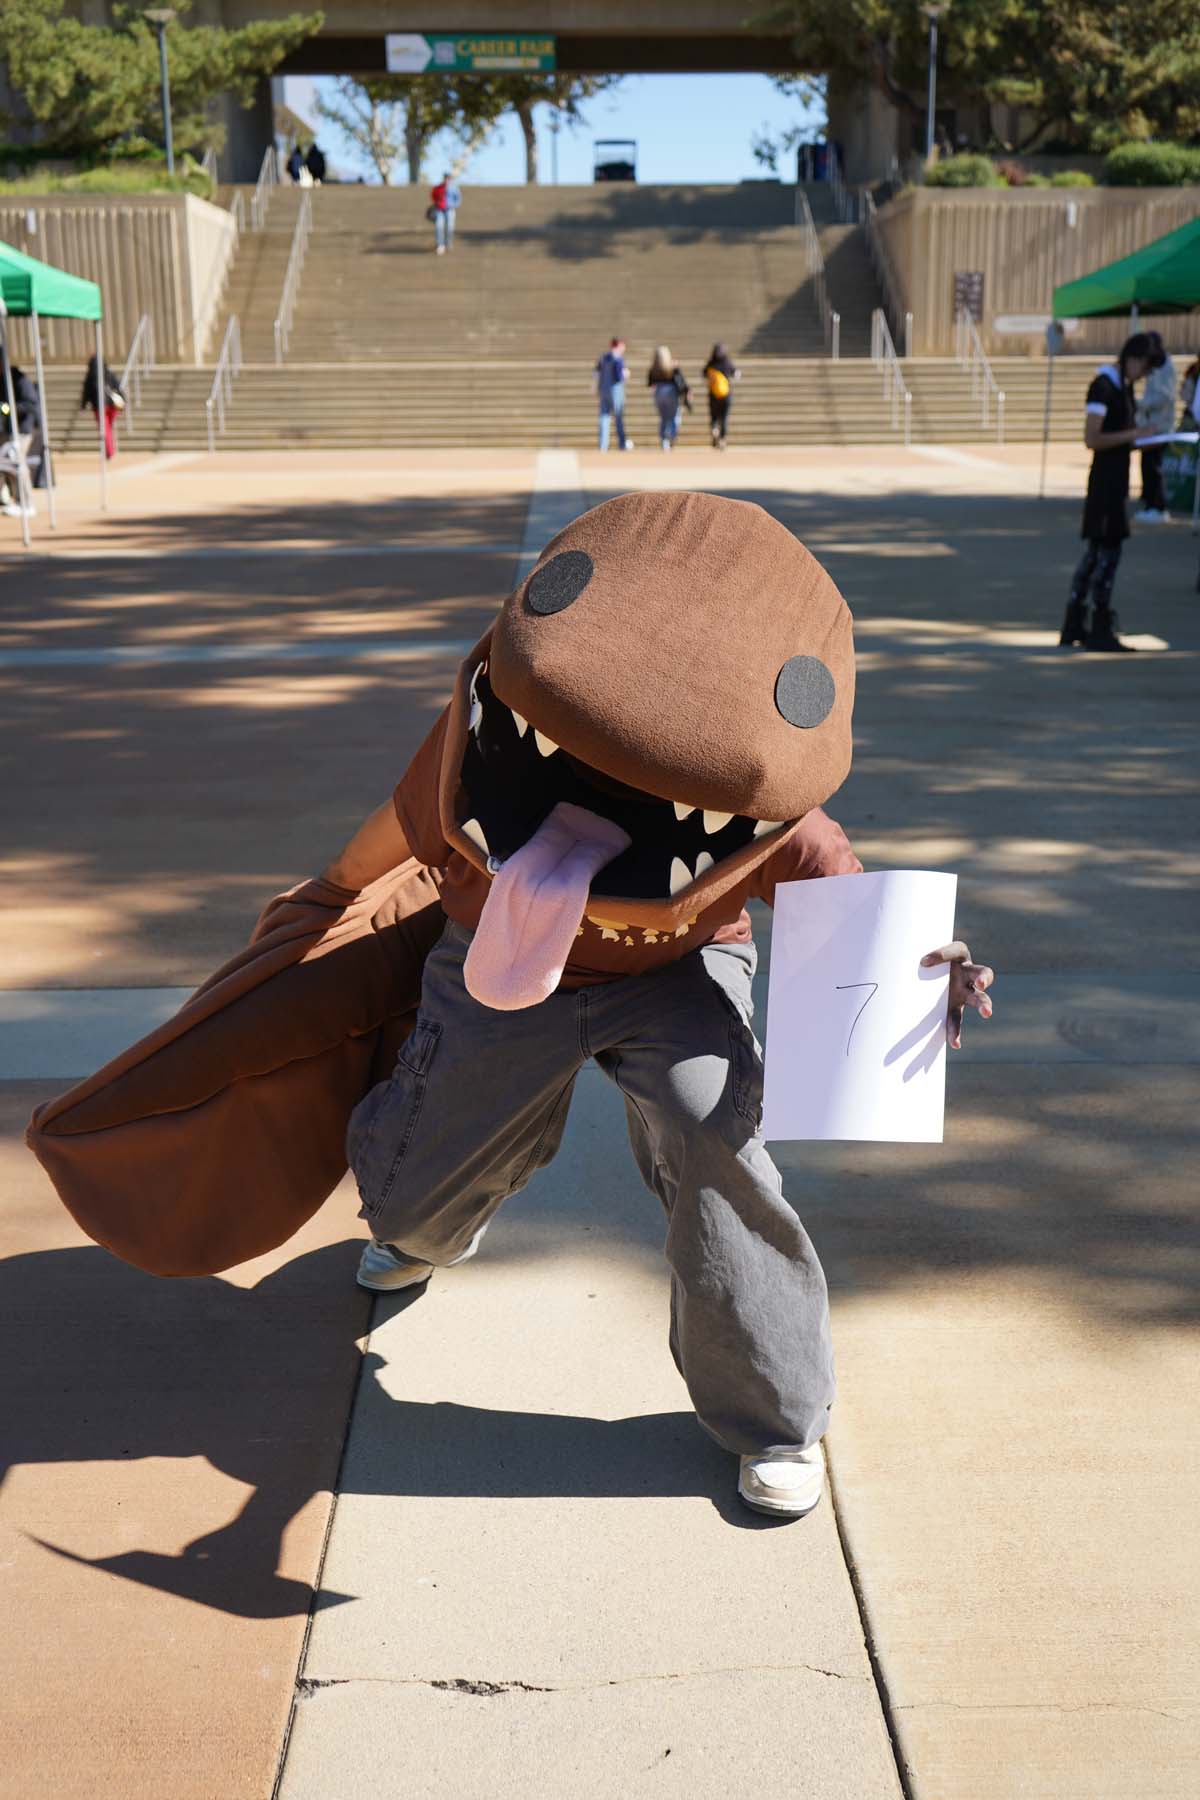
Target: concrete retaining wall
(166,255)
(1026,243)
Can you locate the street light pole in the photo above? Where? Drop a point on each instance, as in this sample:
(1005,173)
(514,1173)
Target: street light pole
(160,18)
(932,13)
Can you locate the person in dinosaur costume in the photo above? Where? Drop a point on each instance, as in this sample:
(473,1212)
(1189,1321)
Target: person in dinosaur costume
(641,743)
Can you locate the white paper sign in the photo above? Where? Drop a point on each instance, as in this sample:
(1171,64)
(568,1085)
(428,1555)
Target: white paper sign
(856,1028)
(1167,437)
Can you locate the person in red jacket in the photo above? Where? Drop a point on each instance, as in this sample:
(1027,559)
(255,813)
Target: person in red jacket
(444,201)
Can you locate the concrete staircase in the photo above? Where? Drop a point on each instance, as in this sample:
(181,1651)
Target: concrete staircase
(493,344)
(850,280)
(255,283)
(549,274)
(780,400)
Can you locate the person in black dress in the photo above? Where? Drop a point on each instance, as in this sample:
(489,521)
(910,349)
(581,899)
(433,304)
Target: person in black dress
(1109,433)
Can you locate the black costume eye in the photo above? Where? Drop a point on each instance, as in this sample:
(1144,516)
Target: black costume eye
(804,691)
(559,583)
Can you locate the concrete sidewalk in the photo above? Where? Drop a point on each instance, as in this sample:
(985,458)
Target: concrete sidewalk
(558,1591)
(536,1579)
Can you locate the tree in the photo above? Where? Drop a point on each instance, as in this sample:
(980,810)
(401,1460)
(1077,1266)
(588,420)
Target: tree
(96,85)
(521,93)
(1091,71)
(768,146)
(392,115)
(368,121)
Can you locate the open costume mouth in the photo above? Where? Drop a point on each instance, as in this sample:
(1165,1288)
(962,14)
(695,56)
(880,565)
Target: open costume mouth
(513,776)
(676,665)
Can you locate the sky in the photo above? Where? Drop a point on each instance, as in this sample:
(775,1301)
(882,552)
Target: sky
(687,127)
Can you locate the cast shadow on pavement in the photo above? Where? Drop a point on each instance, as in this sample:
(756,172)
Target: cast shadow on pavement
(259,1381)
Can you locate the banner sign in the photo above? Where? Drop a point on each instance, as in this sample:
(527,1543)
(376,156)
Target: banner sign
(470,53)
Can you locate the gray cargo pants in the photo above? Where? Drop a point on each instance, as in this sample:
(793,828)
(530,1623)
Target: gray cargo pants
(478,1101)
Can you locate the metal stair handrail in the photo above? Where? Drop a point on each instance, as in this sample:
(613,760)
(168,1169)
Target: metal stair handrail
(895,388)
(291,279)
(831,321)
(843,198)
(971,356)
(885,272)
(139,362)
(208,164)
(229,364)
(268,178)
(237,207)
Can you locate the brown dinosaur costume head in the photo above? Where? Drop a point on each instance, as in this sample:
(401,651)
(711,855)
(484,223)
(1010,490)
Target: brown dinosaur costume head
(678,663)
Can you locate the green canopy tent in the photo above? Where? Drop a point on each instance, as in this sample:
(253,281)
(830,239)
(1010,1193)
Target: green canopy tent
(1162,277)
(35,290)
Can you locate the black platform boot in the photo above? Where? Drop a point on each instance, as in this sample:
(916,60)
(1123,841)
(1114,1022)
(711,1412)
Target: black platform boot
(1103,632)
(1075,623)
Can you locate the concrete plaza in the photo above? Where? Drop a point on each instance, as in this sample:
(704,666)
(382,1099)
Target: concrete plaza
(259,1537)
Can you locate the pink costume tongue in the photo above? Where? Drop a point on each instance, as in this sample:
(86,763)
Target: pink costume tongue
(532,914)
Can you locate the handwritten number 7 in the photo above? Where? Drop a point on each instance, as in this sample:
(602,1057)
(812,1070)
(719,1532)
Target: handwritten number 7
(843,987)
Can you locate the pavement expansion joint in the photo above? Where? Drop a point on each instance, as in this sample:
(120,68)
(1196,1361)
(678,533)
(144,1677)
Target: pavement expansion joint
(1039,1706)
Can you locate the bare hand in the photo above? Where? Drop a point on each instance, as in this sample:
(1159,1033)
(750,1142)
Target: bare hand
(969,982)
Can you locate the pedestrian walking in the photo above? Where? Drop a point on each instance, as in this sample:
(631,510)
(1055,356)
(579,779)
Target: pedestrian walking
(444,201)
(114,401)
(314,162)
(608,385)
(670,388)
(1156,414)
(720,372)
(1110,432)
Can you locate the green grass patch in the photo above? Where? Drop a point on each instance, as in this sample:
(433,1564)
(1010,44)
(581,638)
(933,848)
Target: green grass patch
(117,178)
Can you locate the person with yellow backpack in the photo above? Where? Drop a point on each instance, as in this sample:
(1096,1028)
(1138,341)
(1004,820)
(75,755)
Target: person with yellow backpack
(720,374)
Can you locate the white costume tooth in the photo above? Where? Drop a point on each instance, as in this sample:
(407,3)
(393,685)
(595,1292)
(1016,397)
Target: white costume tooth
(546,745)
(703,861)
(765,825)
(715,821)
(521,724)
(474,830)
(683,812)
(476,718)
(681,875)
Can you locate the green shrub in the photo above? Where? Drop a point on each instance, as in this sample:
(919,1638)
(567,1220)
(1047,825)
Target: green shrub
(1072,178)
(1151,165)
(967,171)
(1035,178)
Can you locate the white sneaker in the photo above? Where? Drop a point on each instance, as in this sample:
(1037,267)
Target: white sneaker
(10,509)
(1152,516)
(628,444)
(783,1479)
(384,1269)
